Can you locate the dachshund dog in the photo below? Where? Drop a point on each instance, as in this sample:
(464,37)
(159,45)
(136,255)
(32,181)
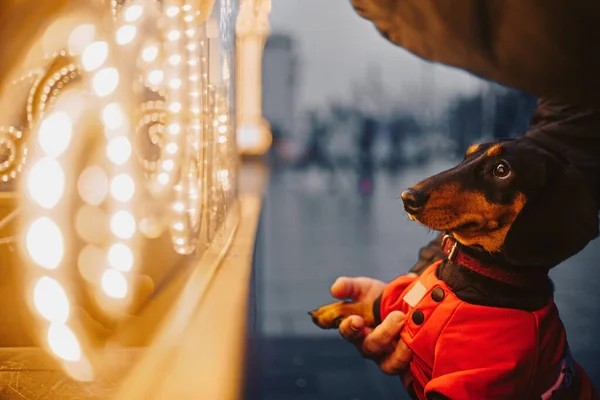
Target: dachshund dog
(482,323)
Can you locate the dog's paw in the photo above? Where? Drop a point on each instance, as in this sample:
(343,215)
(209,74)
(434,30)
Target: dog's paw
(329,316)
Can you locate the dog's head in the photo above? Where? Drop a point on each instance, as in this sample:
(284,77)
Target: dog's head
(511,197)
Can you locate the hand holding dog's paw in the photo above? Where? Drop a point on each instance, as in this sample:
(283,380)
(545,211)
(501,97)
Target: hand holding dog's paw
(381,344)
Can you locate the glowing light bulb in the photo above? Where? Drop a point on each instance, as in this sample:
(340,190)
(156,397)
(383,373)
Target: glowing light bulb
(50,300)
(174,129)
(126,34)
(55,134)
(80,370)
(80,37)
(118,150)
(120,257)
(92,263)
(150,53)
(163,178)
(133,12)
(114,284)
(122,224)
(155,77)
(122,187)
(171,148)
(44,243)
(92,185)
(113,116)
(173,35)
(105,81)
(63,342)
(172,11)
(168,165)
(46,182)
(94,55)
(175,83)
(175,107)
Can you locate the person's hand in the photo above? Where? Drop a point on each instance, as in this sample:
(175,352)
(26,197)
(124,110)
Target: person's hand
(382,343)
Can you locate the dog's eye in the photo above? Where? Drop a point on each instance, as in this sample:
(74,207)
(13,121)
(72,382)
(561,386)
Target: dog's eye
(502,170)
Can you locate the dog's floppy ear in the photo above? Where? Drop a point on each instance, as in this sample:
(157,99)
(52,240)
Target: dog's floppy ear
(556,224)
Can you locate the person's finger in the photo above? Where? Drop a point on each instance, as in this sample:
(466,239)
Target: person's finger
(398,360)
(384,336)
(346,288)
(354,329)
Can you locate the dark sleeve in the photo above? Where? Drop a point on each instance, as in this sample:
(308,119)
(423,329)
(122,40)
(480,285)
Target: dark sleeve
(428,255)
(545,47)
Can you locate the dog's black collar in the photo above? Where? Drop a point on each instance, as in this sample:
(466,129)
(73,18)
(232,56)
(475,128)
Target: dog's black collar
(518,278)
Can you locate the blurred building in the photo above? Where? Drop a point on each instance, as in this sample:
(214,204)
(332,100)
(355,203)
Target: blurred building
(280,84)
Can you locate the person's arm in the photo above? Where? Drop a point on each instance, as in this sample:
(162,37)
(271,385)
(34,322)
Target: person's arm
(540,47)
(429,254)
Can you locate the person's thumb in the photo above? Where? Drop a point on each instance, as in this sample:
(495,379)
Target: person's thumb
(393,323)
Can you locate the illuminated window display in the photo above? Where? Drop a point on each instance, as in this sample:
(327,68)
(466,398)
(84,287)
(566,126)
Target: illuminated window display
(126,135)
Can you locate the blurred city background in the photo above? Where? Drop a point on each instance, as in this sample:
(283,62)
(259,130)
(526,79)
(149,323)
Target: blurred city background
(355,121)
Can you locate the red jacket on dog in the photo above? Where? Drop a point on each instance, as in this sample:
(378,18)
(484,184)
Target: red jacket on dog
(467,351)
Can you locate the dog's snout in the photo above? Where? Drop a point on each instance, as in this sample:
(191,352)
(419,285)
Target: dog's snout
(414,200)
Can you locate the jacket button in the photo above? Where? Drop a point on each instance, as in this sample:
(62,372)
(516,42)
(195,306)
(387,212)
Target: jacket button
(418,317)
(437,294)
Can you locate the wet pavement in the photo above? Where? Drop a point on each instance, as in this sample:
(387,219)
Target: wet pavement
(315,228)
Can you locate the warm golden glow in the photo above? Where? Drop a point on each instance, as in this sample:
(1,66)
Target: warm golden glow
(83,206)
(119,150)
(91,262)
(51,301)
(126,34)
(155,77)
(133,12)
(113,116)
(120,257)
(122,224)
(80,37)
(92,185)
(122,188)
(114,284)
(63,342)
(45,244)
(150,53)
(94,56)
(172,11)
(105,81)
(46,182)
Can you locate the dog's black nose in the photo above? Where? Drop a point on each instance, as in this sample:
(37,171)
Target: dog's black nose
(414,200)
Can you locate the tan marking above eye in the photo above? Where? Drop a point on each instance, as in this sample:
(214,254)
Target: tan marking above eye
(472,149)
(494,150)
